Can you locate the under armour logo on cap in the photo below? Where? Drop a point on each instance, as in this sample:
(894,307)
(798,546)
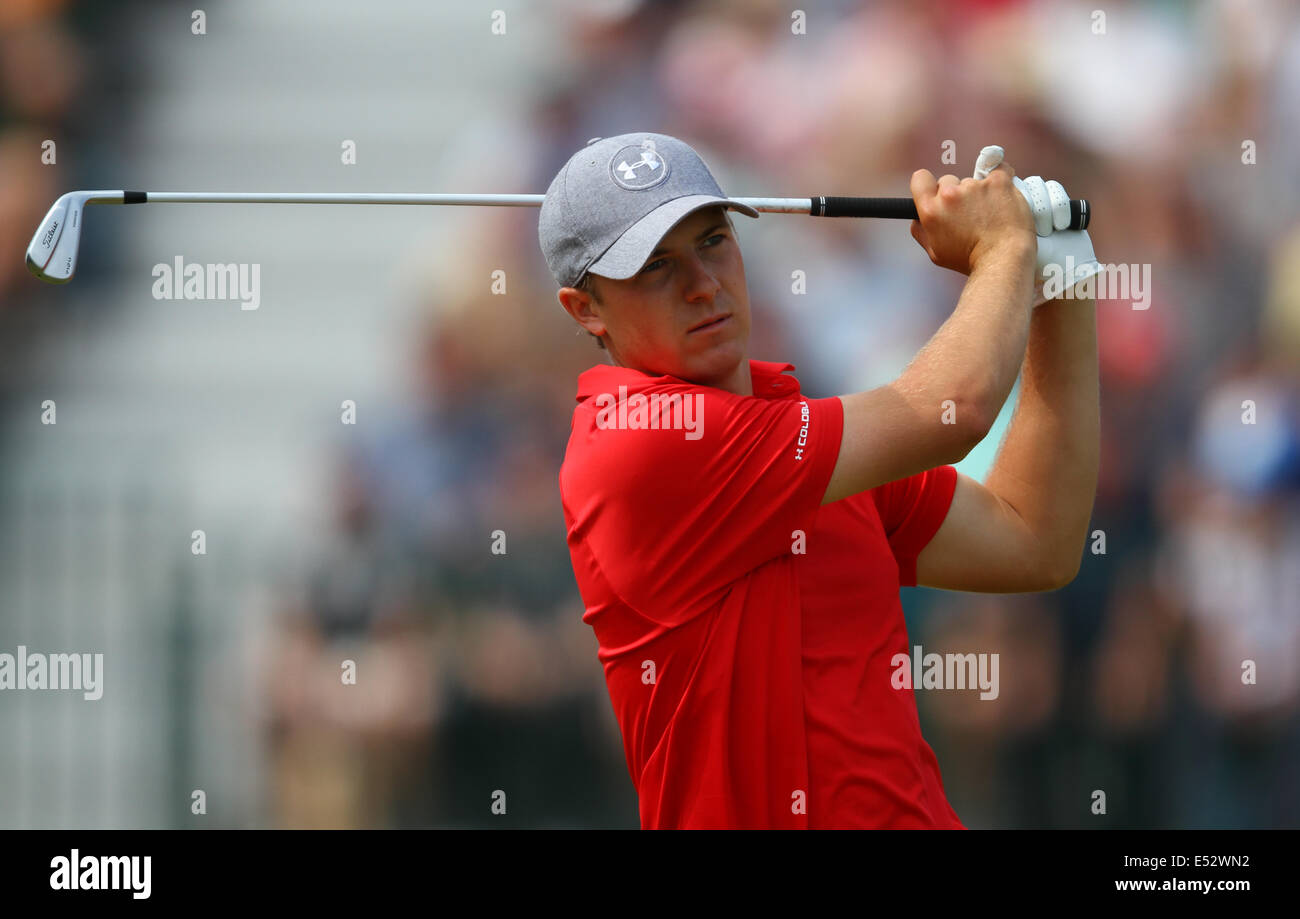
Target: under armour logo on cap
(654,169)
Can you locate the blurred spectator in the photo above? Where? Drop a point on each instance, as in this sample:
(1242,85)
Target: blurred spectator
(344,753)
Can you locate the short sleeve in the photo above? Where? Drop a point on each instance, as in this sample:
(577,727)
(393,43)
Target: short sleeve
(675,517)
(911,511)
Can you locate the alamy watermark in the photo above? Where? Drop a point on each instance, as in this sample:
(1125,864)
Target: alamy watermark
(198,281)
(102,872)
(946,671)
(34,670)
(656,412)
(1112,282)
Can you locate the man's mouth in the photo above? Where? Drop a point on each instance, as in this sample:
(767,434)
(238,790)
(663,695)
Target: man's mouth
(713,322)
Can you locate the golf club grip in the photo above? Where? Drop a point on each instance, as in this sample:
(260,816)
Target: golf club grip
(905,209)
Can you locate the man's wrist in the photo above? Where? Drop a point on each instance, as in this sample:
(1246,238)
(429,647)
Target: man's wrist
(1016,252)
(1012,256)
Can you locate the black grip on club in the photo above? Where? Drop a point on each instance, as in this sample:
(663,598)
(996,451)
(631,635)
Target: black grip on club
(905,208)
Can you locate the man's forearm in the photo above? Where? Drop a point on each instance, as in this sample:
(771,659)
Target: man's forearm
(1047,466)
(975,355)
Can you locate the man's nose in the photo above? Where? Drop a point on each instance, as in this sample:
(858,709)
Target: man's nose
(702,283)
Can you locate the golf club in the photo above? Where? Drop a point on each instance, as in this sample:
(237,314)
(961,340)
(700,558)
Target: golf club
(52,255)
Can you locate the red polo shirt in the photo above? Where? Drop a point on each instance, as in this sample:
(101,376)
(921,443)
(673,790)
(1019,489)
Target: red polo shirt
(746,632)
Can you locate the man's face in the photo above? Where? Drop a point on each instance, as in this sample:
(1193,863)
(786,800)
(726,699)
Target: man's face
(686,313)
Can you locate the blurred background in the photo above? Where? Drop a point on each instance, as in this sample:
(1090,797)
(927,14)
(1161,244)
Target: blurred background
(372,541)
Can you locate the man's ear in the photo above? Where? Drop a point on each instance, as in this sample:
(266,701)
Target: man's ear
(583,308)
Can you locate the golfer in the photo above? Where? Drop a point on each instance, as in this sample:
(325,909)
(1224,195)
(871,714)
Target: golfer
(739,545)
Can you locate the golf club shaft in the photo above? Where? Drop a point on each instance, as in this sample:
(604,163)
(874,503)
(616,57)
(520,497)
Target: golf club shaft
(817,206)
(52,253)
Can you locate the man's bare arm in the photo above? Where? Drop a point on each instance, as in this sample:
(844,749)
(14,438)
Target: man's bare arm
(983,229)
(1047,466)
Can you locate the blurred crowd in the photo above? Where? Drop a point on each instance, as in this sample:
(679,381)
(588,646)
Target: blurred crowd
(60,95)
(1167,675)
(1130,681)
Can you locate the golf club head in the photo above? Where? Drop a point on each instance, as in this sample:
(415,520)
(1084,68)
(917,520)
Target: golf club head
(52,255)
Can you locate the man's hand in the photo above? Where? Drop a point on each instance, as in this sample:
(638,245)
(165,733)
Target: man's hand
(1065,257)
(1048,203)
(962,221)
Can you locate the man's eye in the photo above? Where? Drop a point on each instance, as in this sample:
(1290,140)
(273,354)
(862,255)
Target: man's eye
(652,266)
(718,236)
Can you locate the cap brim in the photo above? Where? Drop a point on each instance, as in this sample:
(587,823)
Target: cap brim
(629,252)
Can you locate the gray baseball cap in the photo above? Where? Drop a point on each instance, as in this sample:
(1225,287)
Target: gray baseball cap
(616,198)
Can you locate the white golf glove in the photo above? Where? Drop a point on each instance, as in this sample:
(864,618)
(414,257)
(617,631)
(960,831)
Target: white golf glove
(1065,257)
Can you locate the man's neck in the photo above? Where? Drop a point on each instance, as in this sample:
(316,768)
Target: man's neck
(740,382)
